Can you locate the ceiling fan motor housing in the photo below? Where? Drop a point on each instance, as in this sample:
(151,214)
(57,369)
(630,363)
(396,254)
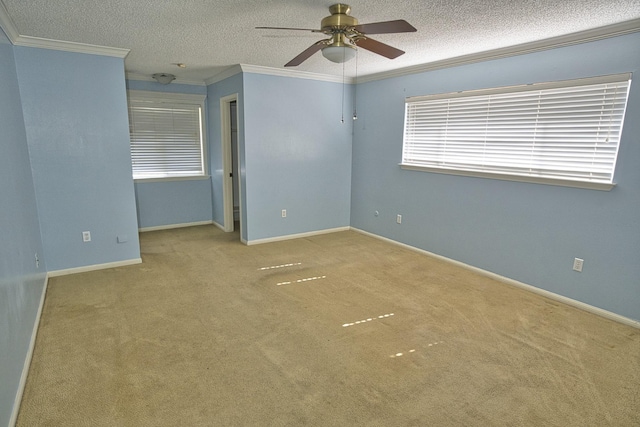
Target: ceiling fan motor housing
(339,19)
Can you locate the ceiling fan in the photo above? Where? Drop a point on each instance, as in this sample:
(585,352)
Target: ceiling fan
(346,35)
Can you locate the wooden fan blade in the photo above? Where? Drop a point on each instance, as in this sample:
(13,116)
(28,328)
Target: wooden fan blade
(285,28)
(306,54)
(379,48)
(386,27)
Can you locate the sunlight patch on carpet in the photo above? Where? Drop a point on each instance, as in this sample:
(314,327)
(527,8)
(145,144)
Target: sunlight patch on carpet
(308,279)
(280,266)
(370,319)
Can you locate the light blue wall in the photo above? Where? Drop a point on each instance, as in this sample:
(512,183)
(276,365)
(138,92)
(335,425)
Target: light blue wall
(215,91)
(297,155)
(527,232)
(63,115)
(173,202)
(161,203)
(75,113)
(21,283)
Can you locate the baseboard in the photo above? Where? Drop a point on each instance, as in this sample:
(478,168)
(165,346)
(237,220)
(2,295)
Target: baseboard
(220,226)
(295,236)
(556,297)
(170,226)
(29,356)
(94,267)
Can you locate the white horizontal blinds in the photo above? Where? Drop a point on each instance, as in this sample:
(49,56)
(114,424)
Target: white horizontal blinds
(550,131)
(166,139)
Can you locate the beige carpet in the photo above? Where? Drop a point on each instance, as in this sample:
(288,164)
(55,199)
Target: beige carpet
(334,330)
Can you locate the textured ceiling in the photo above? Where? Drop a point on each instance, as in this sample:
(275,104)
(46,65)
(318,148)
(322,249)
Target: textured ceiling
(210,36)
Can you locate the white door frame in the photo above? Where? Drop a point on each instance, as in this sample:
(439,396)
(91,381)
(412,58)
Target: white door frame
(227,169)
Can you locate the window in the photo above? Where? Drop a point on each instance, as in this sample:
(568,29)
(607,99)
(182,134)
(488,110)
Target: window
(167,135)
(564,133)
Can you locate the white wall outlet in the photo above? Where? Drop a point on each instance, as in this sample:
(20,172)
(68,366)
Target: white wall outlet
(37,261)
(399,219)
(86,236)
(284,213)
(577,264)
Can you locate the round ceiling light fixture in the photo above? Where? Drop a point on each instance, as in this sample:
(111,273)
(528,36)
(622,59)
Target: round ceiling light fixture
(164,78)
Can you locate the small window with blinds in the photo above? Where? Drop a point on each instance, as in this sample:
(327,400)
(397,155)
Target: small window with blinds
(167,135)
(563,133)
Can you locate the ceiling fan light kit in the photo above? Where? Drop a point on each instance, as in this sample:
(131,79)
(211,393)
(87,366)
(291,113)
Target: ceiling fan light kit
(339,54)
(347,35)
(339,49)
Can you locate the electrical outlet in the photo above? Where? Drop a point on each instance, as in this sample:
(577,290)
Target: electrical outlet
(577,264)
(37,261)
(399,219)
(284,213)
(86,236)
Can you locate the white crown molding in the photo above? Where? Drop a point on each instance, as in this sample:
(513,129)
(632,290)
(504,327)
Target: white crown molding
(148,78)
(595,34)
(600,33)
(256,69)
(9,27)
(229,72)
(7,24)
(29,41)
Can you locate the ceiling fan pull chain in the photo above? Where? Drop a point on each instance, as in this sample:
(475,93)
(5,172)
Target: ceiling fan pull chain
(355,90)
(343,85)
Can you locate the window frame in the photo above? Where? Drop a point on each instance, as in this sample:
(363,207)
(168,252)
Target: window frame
(500,175)
(172,98)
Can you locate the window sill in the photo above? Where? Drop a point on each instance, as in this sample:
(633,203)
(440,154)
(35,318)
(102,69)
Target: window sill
(517,178)
(173,178)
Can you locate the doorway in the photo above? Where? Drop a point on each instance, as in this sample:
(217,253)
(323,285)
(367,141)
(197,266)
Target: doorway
(231,187)
(234,163)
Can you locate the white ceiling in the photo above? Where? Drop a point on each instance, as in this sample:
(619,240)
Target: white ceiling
(210,36)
